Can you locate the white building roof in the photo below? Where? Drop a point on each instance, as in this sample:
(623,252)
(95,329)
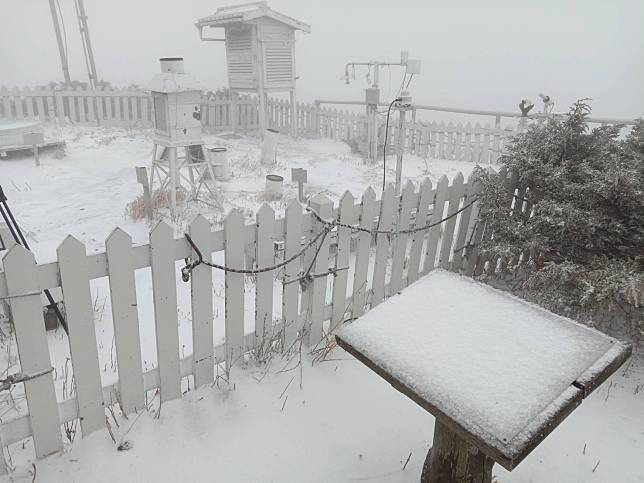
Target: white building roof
(247,13)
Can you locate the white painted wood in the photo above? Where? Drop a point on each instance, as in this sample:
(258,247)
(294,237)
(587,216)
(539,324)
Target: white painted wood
(318,266)
(291,289)
(458,140)
(447,240)
(440,197)
(79,314)
(400,239)
(465,226)
(120,265)
(234,258)
(360,287)
(424,199)
(26,308)
(341,275)
(387,206)
(264,257)
(164,288)
(201,302)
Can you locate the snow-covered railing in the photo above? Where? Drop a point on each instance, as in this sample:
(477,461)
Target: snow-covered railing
(82,106)
(359,268)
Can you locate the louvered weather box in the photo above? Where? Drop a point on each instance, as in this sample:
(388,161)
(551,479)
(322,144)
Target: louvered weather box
(260,49)
(177,102)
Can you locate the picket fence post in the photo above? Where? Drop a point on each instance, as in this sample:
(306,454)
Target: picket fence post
(120,266)
(341,274)
(264,257)
(79,314)
(363,249)
(201,303)
(26,308)
(290,289)
(234,291)
(316,264)
(164,290)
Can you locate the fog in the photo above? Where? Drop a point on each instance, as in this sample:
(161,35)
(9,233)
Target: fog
(484,55)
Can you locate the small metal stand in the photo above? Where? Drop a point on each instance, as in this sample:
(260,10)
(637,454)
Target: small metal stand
(189,172)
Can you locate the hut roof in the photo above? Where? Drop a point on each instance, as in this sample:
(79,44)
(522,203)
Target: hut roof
(247,13)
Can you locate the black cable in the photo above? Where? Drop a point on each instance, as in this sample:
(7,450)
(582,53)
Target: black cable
(19,237)
(384,148)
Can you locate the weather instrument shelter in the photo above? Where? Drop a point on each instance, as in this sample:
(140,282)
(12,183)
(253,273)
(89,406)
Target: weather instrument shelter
(260,51)
(177,124)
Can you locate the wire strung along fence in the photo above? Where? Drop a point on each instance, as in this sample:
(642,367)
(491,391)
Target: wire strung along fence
(327,264)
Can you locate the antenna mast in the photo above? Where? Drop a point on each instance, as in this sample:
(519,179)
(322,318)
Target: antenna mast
(87,44)
(61,46)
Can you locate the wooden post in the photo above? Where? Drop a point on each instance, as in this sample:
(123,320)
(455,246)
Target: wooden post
(453,460)
(142,177)
(34,139)
(299,175)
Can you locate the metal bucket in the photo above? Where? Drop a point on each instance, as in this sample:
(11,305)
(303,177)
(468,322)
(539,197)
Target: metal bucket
(274,187)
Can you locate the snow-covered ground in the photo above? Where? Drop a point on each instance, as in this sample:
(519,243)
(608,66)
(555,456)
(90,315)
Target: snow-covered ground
(343,424)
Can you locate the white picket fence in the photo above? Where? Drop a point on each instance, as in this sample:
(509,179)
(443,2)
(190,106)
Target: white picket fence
(360,269)
(224,111)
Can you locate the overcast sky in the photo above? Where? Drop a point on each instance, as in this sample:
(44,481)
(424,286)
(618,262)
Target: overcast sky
(475,54)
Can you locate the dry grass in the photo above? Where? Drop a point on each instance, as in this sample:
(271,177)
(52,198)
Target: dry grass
(160,199)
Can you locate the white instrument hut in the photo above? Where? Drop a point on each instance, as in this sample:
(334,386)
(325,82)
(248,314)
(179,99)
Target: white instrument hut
(177,125)
(260,51)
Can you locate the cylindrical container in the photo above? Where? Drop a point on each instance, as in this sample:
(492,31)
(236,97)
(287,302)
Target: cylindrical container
(219,160)
(172,65)
(269,146)
(274,187)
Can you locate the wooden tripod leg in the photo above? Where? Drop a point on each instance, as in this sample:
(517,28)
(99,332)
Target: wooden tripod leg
(453,460)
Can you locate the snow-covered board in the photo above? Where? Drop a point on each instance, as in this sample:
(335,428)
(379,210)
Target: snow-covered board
(498,371)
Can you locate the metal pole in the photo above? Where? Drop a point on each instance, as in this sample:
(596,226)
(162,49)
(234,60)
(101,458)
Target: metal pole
(374,118)
(87,44)
(400,145)
(59,39)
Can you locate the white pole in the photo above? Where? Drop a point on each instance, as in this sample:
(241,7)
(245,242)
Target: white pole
(172,156)
(400,144)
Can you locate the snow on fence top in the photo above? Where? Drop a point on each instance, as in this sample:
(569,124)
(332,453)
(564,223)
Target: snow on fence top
(499,367)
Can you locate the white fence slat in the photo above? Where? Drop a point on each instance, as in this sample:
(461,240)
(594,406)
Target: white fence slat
(363,253)
(290,289)
(20,272)
(385,222)
(466,226)
(440,197)
(264,257)
(424,199)
(320,264)
(234,258)
(120,266)
(91,100)
(164,290)
(345,215)
(201,303)
(17,99)
(447,240)
(79,314)
(400,239)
